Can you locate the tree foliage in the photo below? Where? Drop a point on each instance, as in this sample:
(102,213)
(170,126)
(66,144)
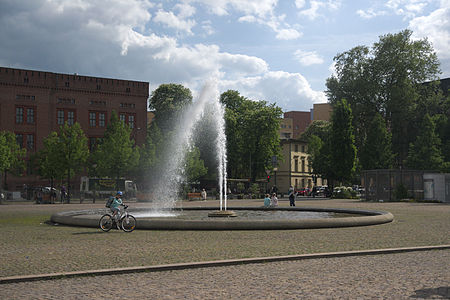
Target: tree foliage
(49,160)
(342,141)
(252,134)
(425,152)
(11,155)
(116,156)
(376,151)
(167,101)
(386,79)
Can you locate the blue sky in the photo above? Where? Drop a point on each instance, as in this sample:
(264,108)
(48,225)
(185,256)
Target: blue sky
(278,51)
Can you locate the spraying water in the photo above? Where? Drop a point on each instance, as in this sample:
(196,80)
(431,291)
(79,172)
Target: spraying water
(173,174)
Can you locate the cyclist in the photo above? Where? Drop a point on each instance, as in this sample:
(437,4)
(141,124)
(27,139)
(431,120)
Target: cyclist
(115,209)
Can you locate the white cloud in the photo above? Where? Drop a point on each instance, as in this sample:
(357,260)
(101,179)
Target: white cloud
(299,3)
(370,13)
(307,58)
(258,8)
(282,29)
(291,91)
(436,27)
(117,41)
(314,11)
(406,8)
(172,21)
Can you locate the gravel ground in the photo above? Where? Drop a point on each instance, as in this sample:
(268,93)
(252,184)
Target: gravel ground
(30,246)
(413,275)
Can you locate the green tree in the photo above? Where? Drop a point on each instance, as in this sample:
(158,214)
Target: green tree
(376,152)
(195,167)
(425,153)
(342,141)
(49,160)
(74,151)
(252,135)
(386,79)
(319,128)
(116,156)
(167,101)
(150,157)
(11,155)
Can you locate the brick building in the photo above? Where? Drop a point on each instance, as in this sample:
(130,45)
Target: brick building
(35,103)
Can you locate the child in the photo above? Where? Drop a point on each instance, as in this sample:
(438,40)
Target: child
(274,200)
(267,200)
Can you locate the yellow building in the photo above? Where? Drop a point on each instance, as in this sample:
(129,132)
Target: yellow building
(321,111)
(294,170)
(286,129)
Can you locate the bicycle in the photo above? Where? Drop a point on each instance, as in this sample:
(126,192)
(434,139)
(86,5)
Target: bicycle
(127,222)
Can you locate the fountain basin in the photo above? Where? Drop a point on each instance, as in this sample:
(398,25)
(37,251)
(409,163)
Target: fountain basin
(342,218)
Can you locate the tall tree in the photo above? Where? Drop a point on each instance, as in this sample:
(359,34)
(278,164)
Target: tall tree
(116,156)
(168,100)
(11,155)
(74,150)
(342,140)
(252,135)
(49,159)
(387,79)
(425,153)
(376,152)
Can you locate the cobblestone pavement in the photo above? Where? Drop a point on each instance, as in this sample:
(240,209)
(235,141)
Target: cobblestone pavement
(412,275)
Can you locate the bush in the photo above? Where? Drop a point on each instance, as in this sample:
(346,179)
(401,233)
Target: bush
(343,192)
(400,192)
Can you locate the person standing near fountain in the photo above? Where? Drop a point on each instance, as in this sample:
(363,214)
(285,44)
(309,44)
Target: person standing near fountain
(203,193)
(291,196)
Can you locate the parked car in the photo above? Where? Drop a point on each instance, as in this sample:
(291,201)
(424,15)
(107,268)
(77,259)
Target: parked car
(303,191)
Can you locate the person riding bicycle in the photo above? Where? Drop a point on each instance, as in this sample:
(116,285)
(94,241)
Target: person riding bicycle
(115,209)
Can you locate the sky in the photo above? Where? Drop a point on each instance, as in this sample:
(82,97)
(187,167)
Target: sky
(279,51)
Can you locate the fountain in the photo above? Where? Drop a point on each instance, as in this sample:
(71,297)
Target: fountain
(164,214)
(173,170)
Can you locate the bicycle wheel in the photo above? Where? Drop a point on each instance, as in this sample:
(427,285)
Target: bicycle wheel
(128,223)
(106,223)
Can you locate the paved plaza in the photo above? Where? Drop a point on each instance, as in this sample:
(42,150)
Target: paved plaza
(412,275)
(27,242)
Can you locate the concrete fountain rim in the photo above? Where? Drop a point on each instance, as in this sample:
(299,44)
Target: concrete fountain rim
(90,218)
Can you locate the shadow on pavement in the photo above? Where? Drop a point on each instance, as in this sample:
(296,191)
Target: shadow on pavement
(443,291)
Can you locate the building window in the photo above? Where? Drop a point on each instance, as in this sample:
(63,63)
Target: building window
(92,119)
(97,119)
(94,142)
(30,141)
(19,115)
(60,117)
(24,113)
(70,117)
(30,115)
(303,148)
(102,119)
(25,97)
(67,84)
(296,148)
(129,119)
(65,115)
(65,101)
(26,140)
(303,164)
(296,164)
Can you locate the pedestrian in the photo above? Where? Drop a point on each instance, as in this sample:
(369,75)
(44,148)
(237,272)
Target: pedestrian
(203,193)
(274,200)
(291,196)
(275,189)
(267,201)
(63,193)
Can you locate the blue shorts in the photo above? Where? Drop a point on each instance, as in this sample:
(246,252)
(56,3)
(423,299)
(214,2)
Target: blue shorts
(115,209)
